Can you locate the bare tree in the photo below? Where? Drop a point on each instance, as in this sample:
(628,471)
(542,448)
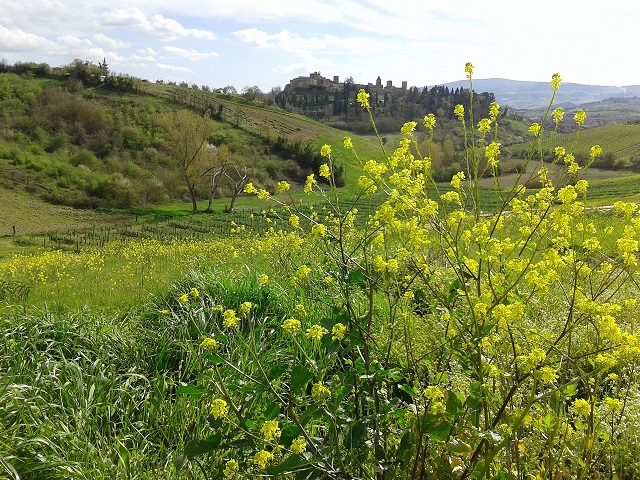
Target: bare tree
(221,158)
(187,138)
(238,180)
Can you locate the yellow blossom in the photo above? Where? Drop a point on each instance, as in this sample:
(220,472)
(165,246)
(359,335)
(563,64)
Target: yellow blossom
(555,81)
(250,189)
(315,332)
(230,468)
(325,172)
(229,319)
(494,109)
(219,408)
(468,68)
(595,151)
(210,344)
(535,129)
(457,179)
(319,392)
(581,407)
(580,117)
(271,430)
(262,458)
(558,114)
(348,144)
(408,128)
(291,326)
(194,292)
(363,99)
(484,126)
(283,186)
(298,445)
(458,111)
(264,279)
(245,308)
(613,404)
(430,121)
(294,220)
(184,298)
(325,151)
(338,331)
(308,185)
(319,230)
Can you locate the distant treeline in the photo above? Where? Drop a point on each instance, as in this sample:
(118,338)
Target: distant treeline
(390,107)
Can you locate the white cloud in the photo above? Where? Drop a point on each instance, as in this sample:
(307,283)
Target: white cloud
(157,26)
(173,68)
(284,40)
(16,40)
(109,42)
(71,41)
(189,54)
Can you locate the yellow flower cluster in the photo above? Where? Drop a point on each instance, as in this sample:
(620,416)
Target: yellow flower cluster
(319,392)
(315,332)
(219,408)
(291,326)
(271,430)
(262,459)
(338,332)
(230,320)
(210,344)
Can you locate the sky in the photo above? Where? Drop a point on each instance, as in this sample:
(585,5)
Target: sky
(268,42)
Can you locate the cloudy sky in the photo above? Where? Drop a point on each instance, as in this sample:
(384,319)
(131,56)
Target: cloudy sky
(268,42)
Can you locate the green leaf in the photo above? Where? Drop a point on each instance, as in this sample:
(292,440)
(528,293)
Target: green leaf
(356,278)
(288,434)
(194,448)
(300,377)
(271,411)
(277,371)
(436,428)
(292,463)
(570,390)
(454,404)
(190,390)
(503,476)
(358,435)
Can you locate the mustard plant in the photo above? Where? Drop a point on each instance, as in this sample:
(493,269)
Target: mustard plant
(451,342)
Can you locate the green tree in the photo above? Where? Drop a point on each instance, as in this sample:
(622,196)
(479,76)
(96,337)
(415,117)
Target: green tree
(187,142)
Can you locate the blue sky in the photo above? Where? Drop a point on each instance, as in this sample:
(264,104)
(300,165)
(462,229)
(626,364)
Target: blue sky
(267,42)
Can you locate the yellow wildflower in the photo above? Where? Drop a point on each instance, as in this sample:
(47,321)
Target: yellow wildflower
(363,99)
(271,430)
(613,404)
(230,320)
(348,144)
(558,114)
(535,129)
(262,458)
(581,407)
(458,111)
(291,326)
(468,68)
(219,408)
(264,279)
(298,445)
(310,182)
(555,81)
(283,186)
(325,151)
(245,308)
(210,344)
(184,298)
(230,468)
(430,121)
(315,332)
(338,331)
(408,128)
(250,189)
(319,392)
(580,117)
(195,293)
(325,172)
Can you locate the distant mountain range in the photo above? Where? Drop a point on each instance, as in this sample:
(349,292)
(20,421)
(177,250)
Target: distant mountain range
(534,95)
